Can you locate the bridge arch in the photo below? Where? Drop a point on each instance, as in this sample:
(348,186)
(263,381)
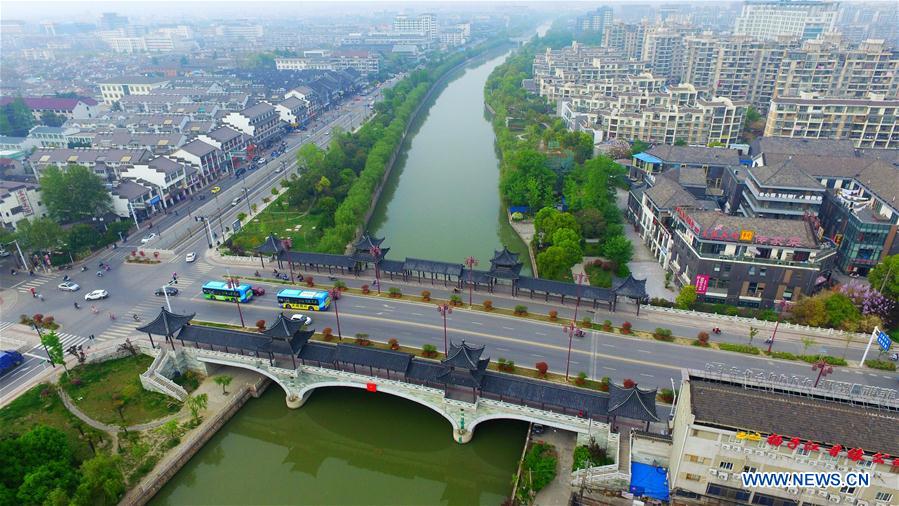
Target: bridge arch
(307,390)
(558,424)
(240,365)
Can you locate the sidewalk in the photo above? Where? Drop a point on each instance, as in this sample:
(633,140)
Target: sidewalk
(559,490)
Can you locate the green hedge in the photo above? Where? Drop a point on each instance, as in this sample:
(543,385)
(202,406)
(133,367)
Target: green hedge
(883,365)
(739,348)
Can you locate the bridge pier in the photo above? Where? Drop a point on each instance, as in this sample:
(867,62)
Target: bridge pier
(296,401)
(462,436)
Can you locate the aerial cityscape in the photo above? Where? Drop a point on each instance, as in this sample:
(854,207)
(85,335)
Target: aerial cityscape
(449,253)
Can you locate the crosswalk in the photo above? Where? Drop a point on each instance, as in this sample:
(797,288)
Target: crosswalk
(35,282)
(65,338)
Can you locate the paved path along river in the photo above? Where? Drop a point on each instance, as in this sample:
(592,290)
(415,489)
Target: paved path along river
(442,199)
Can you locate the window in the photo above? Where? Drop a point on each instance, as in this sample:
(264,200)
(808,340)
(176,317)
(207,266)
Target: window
(763,271)
(748,469)
(692,477)
(883,496)
(695,458)
(727,466)
(847,490)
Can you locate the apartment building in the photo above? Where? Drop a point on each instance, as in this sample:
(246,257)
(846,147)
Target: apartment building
(260,121)
(19,201)
(726,424)
(625,38)
(116,88)
(597,21)
(364,62)
(868,123)
(664,47)
(70,108)
(106,163)
(770,19)
(423,23)
(207,160)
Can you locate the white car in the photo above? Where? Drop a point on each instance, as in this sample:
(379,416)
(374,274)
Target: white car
(69,286)
(96,295)
(235,202)
(261,161)
(301,318)
(149,238)
(190,257)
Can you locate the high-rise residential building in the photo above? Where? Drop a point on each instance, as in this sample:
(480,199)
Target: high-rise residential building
(597,21)
(625,38)
(423,24)
(664,49)
(868,122)
(112,21)
(239,31)
(700,61)
(803,19)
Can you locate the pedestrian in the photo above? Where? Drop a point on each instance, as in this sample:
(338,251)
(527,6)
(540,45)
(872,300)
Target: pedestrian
(41,296)
(33,292)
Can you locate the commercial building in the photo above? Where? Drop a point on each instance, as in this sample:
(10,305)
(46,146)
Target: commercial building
(364,62)
(169,179)
(770,19)
(725,425)
(207,160)
(116,88)
(106,163)
(868,123)
(19,201)
(69,108)
(425,24)
(260,121)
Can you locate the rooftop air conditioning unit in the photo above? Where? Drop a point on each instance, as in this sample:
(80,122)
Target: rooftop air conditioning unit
(822,493)
(713,471)
(834,498)
(850,500)
(723,476)
(793,491)
(830,466)
(726,447)
(861,503)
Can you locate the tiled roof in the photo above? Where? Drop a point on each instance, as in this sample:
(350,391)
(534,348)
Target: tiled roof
(668,194)
(789,146)
(696,155)
(257,110)
(198,148)
(823,421)
(784,175)
(767,227)
(50,103)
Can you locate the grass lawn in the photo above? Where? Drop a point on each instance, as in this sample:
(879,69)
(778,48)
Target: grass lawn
(102,382)
(280,219)
(598,276)
(33,408)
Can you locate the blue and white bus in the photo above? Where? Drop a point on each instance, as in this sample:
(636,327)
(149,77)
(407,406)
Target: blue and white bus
(312,300)
(220,290)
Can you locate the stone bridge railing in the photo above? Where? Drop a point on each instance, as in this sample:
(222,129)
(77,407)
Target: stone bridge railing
(463,416)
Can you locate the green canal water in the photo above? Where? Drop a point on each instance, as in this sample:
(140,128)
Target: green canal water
(345,447)
(442,201)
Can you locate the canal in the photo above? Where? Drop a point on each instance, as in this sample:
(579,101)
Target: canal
(442,200)
(347,446)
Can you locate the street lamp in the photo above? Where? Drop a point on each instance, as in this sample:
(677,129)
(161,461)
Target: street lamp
(233,283)
(823,369)
(335,294)
(215,193)
(570,329)
(444,309)
(783,307)
(376,255)
(165,292)
(470,262)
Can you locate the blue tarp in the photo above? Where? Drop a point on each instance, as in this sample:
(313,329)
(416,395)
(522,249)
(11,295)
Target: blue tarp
(646,157)
(649,481)
(519,209)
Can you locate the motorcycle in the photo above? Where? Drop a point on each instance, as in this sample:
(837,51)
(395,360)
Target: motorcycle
(77,306)
(579,333)
(135,317)
(894,357)
(769,340)
(83,268)
(99,274)
(716,330)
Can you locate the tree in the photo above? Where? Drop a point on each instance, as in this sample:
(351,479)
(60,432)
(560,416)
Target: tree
(809,311)
(171,430)
(841,311)
(16,119)
(618,249)
(223,380)
(752,333)
(102,483)
(638,146)
(51,119)
(592,223)
(686,299)
(43,444)
(197,403)
(42,234)
(680,142)
(885,277)
(38,484)
(54,348)
(553,263)
(74,194)
(323,185)
(807,342)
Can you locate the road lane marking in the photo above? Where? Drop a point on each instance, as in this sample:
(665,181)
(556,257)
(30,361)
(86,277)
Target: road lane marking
(538,356)
(477,323)
(508,328)
(501,349)
(609,368)
(607,345)
(541,333)
(644,351)
(416,314)
(647,375)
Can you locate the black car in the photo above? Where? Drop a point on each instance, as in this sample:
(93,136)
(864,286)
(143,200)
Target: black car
(170,290)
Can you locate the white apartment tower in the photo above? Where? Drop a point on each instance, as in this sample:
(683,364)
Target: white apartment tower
(769,19)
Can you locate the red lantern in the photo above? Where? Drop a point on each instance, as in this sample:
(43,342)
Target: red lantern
(371,387)
(896,462)
(775,440)
(810,446)
(835,451)
(855,454)
(880,458)
(793,444)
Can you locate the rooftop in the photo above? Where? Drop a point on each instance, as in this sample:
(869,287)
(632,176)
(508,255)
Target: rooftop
(135,80)
(695,155)
(713,225)
(784,174)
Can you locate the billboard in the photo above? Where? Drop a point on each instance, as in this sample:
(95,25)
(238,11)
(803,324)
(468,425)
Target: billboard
(702,284)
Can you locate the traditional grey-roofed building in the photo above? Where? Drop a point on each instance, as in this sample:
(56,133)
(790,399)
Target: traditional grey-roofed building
(260,121)
(782,191)
(464,367)
(166,324)
(632,288)
(505,265)
(363,249)
(634,403)
(208,160)
(226,139)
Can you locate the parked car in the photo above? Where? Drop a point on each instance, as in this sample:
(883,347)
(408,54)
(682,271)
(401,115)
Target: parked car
(69,286)
(9,360)
(96,295)
(4,253)
(261,160)
(537,429)
(301,318)
(149,238)
(191,257)
(258,291)
(169,290)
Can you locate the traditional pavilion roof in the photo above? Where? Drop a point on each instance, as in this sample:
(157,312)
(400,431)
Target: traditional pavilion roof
(167,323)
(283,328)
(635,403)
(505,264)
(271,246)
(464,365)
(631,287)
(362,248)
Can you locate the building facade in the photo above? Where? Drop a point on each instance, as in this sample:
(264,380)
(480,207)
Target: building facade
(869,123)
(805,19)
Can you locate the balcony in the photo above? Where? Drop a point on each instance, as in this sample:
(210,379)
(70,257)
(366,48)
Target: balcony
(822,254)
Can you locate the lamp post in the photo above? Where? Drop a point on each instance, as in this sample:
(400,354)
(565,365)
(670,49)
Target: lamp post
(570,329)
(444,309)
(376,255)
(783,307)
(215,193)
(165,293)
(580,279)
(335,294)
(234,283)
(470,262)
(823,369)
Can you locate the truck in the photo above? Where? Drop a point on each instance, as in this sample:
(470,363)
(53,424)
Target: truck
(9,360)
